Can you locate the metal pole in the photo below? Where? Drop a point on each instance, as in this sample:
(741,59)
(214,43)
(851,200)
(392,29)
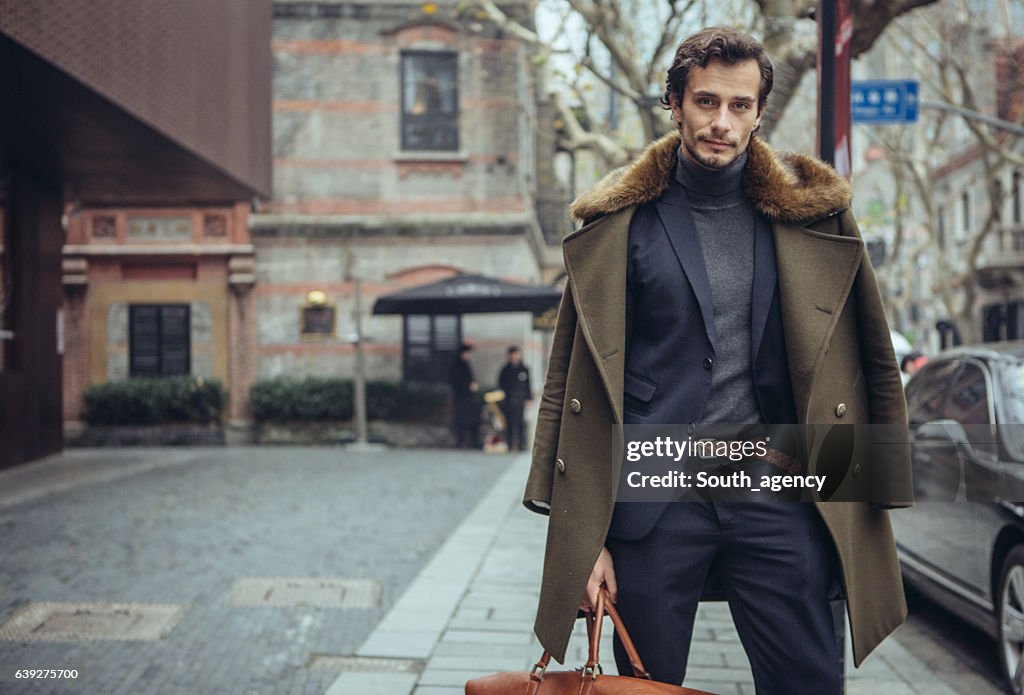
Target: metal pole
(826,15)
(360,380)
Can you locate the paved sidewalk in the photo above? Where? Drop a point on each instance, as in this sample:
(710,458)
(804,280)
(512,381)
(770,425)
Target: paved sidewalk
(470,613)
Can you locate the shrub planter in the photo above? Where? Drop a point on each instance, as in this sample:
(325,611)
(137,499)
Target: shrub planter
(398,434)
(176,434)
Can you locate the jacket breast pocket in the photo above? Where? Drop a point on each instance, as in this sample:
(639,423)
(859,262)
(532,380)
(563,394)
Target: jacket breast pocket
(639,392)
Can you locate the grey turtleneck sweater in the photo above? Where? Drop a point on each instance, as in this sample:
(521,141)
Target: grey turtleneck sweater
(725,221)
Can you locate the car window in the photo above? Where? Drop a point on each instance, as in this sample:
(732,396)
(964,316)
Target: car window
(1011,426)
(926,392)
(968,401)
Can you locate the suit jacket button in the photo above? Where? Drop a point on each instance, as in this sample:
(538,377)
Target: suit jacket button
(708,363)
(575,406)
(691,428)
(841,410)
(560,465)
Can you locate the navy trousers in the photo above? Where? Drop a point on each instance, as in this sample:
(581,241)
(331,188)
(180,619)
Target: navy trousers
(777,566)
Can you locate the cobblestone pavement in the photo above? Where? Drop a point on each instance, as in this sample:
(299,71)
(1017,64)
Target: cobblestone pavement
(483,623)
(456,557)
(183,526)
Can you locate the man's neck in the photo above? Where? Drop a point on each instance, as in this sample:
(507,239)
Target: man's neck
(707,181)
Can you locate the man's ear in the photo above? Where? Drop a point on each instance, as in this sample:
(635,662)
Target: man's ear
(673,102)
(757,123)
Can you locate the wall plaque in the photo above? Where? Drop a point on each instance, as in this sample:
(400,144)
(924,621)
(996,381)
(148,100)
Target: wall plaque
(167,229)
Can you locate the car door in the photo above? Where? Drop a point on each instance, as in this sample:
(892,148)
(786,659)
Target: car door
(1001,496)
(941,534)
(971,405)
(926,396)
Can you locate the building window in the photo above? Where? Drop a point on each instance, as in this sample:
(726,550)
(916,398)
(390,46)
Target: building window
(430,101)
(1015,196)
(966,214)
(430,345)
(998,201)
(160,339)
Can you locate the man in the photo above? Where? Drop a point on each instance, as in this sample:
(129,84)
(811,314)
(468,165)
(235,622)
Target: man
(466,410)
(514,380)
(716,282)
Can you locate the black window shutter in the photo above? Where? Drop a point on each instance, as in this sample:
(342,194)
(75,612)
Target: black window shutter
(159,340)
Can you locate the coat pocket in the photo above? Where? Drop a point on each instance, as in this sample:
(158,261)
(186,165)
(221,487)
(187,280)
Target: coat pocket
(639,392)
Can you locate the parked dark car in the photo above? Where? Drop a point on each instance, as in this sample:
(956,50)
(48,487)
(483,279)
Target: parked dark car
(963,542)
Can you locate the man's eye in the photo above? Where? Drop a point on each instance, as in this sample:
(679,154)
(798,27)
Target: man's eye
(704,101)
(742,105)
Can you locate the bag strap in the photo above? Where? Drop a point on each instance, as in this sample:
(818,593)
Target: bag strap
(594,621)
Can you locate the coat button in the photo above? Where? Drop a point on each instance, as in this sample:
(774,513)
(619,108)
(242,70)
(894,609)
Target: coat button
(575,406)
(560,465)
(708,363)
(841,410)
(691,428)
(856,469)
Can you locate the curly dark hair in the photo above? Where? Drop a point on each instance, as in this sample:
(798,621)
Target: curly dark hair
(721,44)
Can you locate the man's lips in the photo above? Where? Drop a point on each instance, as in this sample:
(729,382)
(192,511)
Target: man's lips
(718,144)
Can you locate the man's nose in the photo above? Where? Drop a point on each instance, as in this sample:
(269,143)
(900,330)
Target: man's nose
(721,120)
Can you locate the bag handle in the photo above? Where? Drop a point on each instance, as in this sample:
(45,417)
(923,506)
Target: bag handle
(594,621)
(592,668)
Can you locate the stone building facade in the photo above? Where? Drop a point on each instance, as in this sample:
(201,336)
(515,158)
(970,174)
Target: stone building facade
(158,292)
(404,153)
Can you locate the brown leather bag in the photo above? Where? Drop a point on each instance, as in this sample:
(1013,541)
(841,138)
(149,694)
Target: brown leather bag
(589,681)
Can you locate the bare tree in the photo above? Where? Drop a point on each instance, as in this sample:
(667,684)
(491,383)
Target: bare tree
(628,51)
(938,44)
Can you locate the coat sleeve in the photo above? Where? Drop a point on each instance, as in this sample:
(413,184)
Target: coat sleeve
(537,497)
(891,472)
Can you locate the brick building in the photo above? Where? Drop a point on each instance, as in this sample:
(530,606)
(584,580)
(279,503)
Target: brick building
(405,151)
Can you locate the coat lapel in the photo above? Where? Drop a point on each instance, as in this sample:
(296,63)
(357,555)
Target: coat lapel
(595,260)
(816,272)
(677,219)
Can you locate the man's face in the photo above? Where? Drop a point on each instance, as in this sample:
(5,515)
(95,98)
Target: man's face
(515,358)
(718,112)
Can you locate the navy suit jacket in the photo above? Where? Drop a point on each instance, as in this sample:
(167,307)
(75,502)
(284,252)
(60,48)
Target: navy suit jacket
(670,332)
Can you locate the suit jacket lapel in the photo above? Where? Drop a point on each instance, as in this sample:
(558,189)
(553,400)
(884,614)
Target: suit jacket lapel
(765,277)
(816,272)
(677,218)
(595,260)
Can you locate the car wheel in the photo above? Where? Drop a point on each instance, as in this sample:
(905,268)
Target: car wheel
(1010,612)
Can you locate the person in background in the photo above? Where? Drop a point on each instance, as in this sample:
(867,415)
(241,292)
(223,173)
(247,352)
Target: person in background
(466,411)
(514,380)
(911,364)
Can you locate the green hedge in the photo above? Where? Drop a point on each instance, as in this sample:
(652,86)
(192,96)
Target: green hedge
(326,399)
(155,401)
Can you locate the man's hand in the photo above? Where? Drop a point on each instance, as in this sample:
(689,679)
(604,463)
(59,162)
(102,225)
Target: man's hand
(603,573)
(473,387)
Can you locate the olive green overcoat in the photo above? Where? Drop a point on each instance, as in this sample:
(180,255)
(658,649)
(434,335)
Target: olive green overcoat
(839,351)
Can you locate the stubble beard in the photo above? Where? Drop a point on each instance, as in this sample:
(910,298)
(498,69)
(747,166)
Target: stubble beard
(710,161)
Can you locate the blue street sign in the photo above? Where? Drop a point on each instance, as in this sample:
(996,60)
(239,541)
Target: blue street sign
(884,101)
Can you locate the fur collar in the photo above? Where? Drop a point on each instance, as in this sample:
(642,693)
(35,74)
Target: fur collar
(792,188)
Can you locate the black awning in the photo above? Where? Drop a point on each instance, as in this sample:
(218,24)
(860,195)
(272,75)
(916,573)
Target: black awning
(469,294)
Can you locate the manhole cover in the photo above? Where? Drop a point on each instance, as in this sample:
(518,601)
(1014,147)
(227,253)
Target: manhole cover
(366,664)
(306,591)
(91,621)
